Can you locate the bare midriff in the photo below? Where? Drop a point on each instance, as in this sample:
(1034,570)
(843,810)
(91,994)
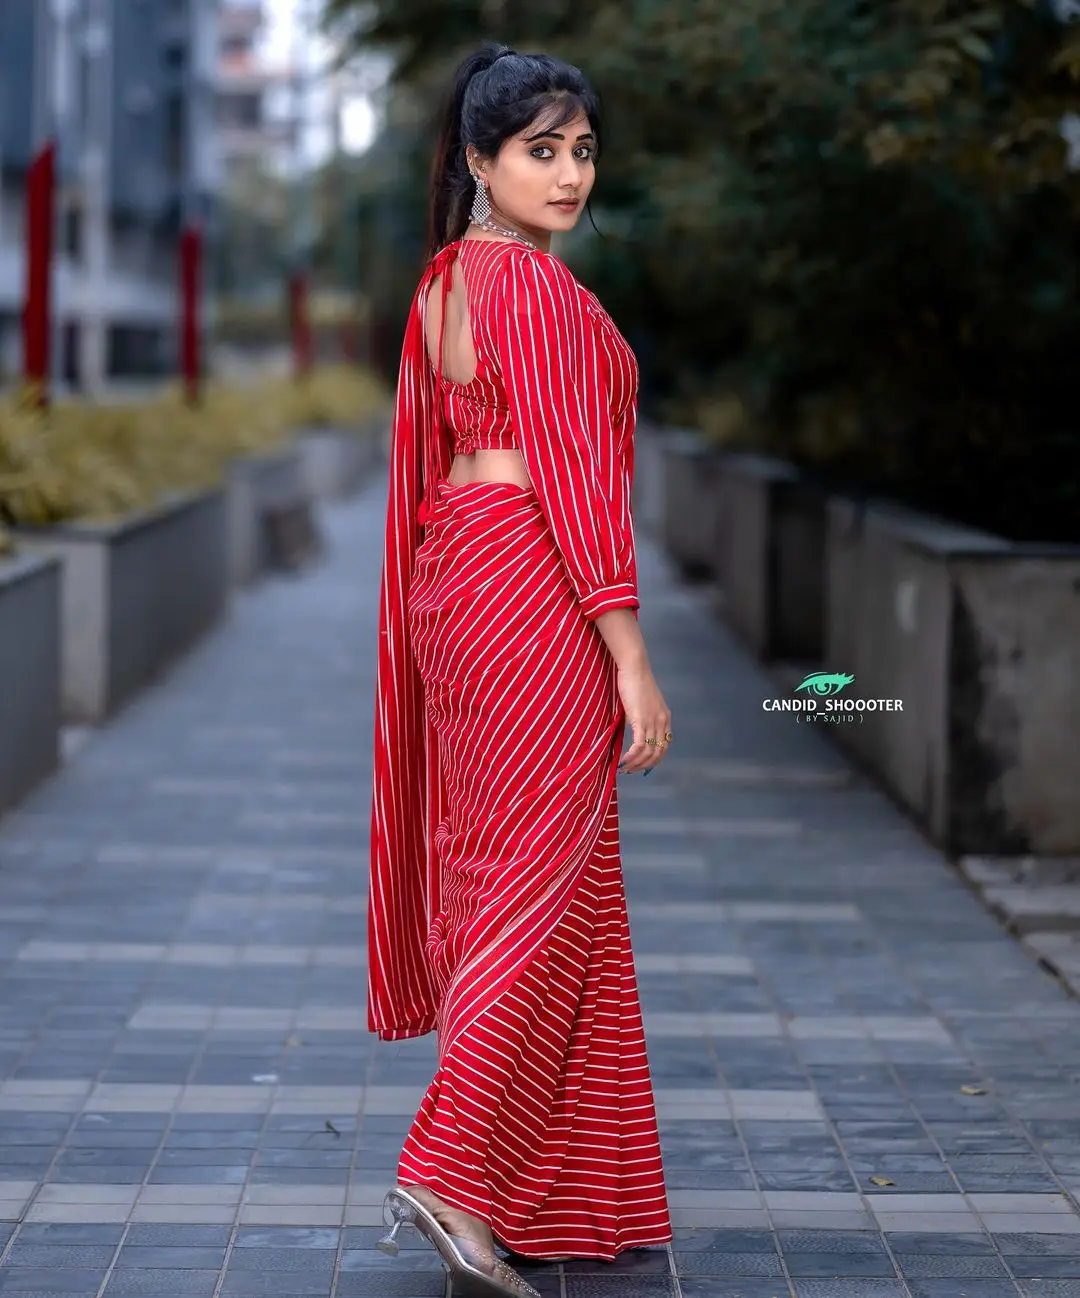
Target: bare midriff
(489,466)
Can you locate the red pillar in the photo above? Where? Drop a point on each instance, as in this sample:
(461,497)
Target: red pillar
(300,323)
(191,248)
(37,300)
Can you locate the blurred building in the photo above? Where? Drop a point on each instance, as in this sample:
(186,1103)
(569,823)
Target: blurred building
(127,88)
(257,112)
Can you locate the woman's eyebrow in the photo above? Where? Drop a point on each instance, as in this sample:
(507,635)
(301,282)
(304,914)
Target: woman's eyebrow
(555,136)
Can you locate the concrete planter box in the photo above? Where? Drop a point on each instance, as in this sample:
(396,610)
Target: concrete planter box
(134,595)
(337,462)
(691,505)
(770,555)
(29,674)
(257,484)
(648,487)
(979,639)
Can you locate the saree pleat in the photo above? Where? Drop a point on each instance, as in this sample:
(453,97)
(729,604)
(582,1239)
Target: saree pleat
(540,1117)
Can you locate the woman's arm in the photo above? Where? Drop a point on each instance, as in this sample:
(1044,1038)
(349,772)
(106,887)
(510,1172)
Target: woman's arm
(550,366)
(647,714)
(551,370)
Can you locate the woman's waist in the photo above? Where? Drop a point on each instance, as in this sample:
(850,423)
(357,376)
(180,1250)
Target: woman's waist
(487,464)
(483,498)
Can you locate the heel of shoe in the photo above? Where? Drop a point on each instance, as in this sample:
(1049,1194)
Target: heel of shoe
(396,1213)
(388,1243)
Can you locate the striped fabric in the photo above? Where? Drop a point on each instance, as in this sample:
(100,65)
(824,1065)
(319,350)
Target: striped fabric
(497,914)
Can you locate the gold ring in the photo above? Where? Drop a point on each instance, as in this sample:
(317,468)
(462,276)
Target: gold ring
(669,737)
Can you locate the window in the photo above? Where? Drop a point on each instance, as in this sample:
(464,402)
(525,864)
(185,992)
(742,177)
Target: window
(241,110)
(175,135)
(71,228)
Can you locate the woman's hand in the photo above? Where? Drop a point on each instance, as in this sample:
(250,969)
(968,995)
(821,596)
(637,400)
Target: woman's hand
(647,716)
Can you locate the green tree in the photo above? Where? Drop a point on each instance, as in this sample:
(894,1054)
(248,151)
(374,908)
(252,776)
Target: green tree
(250,247)
(860,215)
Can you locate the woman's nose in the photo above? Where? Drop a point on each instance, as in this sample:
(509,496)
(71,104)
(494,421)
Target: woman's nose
(570,175)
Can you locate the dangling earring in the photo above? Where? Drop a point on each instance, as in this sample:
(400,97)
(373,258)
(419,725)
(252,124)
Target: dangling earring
(481,204)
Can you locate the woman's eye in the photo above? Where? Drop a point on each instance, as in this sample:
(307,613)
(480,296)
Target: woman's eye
(584,152)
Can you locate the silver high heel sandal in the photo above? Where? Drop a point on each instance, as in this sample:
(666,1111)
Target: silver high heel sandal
(474,1272)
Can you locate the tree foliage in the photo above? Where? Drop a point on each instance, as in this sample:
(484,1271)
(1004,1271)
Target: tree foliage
(860,215)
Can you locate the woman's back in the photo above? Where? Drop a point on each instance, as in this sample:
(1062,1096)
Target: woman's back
(495,315)
(472,400)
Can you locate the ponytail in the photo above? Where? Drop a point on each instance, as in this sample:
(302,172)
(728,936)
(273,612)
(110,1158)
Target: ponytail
(451,182)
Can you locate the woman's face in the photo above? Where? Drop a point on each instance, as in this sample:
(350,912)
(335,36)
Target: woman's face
(536,172)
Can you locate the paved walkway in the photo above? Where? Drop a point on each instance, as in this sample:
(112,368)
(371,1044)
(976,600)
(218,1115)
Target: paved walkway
(866,1089)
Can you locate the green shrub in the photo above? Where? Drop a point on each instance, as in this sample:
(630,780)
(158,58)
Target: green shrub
(85,461)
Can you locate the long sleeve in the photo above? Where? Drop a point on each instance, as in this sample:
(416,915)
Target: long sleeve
(552,372)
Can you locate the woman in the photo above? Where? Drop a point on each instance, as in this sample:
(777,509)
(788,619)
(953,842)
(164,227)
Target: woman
(510,662)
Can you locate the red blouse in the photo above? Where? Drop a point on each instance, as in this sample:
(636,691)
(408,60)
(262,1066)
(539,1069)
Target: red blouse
(556,380)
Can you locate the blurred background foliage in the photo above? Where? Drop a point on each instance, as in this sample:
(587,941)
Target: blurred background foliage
(77,460)
(842,231)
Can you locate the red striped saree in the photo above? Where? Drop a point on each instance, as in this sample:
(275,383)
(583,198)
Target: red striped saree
(497,914)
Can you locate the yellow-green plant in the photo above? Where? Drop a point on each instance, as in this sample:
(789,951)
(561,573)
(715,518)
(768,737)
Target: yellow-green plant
(77,460)
(338,396)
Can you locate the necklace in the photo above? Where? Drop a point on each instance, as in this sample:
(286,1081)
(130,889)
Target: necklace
(489,224)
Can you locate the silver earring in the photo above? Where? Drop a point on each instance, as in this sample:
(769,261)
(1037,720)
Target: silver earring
(481,204)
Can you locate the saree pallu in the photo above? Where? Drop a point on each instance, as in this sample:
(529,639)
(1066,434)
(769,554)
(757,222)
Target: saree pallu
(540,1118)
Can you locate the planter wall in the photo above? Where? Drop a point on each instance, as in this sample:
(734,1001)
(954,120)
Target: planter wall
(692,507)
(257,484)
(29,674)
(980,640)
(770,556)
(336,462)
(648,486)
(134,595)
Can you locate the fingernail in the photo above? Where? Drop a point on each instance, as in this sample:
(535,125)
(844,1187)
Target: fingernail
(647,771)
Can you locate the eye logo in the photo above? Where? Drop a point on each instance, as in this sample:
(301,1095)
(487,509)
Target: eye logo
(823,683)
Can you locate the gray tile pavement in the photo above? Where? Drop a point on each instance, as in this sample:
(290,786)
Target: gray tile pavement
(865,1087)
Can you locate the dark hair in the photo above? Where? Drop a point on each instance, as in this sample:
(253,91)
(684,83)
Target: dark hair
(497,93)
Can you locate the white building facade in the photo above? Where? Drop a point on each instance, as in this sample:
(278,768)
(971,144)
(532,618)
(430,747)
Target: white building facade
(257,108)
(127,88)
